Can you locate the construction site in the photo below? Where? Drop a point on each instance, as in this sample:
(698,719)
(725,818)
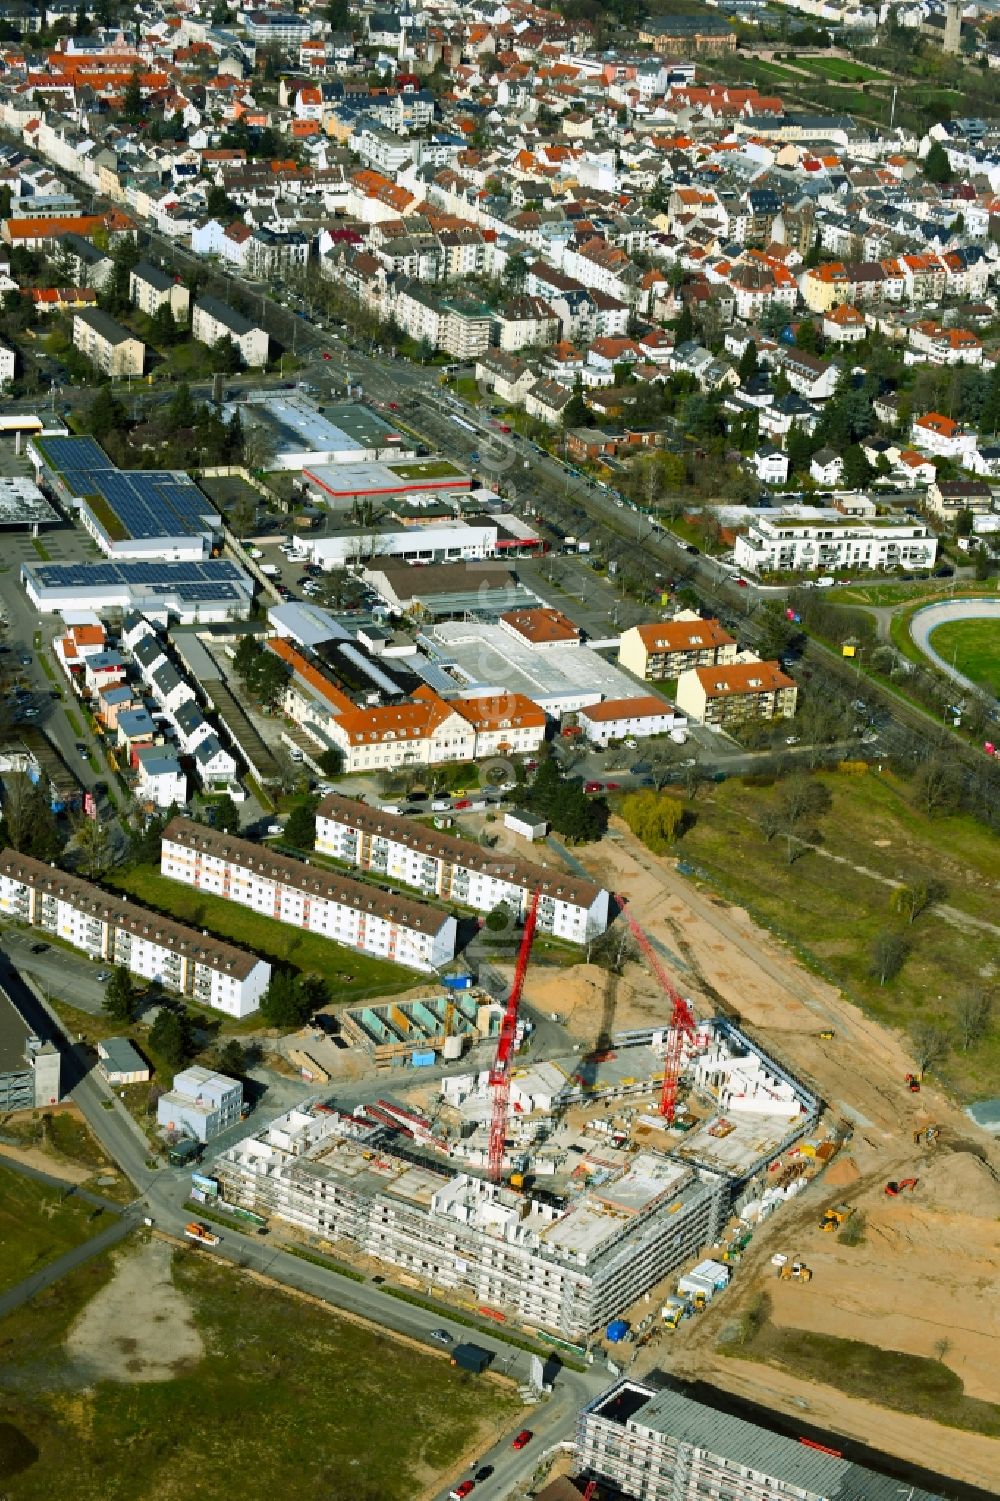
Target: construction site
(414,1032)
(560,1194)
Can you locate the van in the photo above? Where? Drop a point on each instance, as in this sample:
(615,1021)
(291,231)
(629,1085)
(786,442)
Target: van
(827,582)
(270,570)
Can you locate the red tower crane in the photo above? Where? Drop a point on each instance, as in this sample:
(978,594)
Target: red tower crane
(682,1023)
(500,1072)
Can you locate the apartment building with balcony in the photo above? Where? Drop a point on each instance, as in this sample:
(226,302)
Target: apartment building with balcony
(740,691)
(568,1267)
(825,543)
(657,1443)
(114,929)
(664,649)
(456,870)
(408,932)
(110,346)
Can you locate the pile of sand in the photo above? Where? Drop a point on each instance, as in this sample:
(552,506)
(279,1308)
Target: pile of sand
(842,1173)
(959,1183)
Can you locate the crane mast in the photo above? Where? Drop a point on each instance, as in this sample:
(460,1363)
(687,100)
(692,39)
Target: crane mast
(500,1072)
(682,1023)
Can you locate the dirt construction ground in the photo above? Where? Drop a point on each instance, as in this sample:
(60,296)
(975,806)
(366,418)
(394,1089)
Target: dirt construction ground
(928,1269)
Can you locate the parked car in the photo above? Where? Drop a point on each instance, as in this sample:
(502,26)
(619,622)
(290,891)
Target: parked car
(524,1437)
(103,976)
(484,1472)
(593,786)
(441,1336)
(461,1491)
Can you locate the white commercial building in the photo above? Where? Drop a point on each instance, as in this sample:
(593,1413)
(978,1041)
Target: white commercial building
(457,870)
(189,593)
(119,931)
(831,541)
(397,928)
(618,718)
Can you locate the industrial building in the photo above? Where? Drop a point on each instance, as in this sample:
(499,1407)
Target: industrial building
(23,504)
(29,1067)
(560,677)
(300,435)
(115,929)
(456,870)
(602,1200)
(398,928)
(188,593)
(660,1444)
(131,514)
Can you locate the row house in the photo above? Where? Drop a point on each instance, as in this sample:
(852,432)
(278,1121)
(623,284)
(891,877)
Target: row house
(117,931)
(455,870)
(359,916)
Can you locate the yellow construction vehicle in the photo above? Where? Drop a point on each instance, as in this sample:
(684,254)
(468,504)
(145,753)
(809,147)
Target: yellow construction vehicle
(796,1270)
(827,1034)
(928,1135)
(834,1217)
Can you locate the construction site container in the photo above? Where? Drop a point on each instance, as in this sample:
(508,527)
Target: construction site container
(714,1271)
(470,1357)
(451,1048)
(457,982)
(423,1060)
(690,1285)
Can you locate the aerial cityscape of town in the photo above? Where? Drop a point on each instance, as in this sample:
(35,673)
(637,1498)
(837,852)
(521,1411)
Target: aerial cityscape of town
(500,750)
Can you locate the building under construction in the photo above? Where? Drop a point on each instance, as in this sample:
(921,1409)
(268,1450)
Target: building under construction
(600,1199)
(401,1032)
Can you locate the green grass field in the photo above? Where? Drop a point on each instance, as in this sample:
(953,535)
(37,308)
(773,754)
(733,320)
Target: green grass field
(37,1224)
(906,1383)
(287,1400)
(974,648)
(351,976)
(831,912)
(839,69)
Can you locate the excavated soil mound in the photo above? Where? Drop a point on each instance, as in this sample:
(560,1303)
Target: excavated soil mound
(842,1173)
(958,1183)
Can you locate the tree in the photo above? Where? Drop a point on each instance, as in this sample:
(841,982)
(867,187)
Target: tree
(181,409)
(31,824)
(613,949)
(749,362)
(973,1014)
(227,815)
(93,847)
(231,1059)
(800,799)
(132,100)
(338,15)
(910,901)
(219,204)
(290,999)
(684,327)
(857,470)
(264,675)
(799,447)
(300,829)
(937,167)
(331,762)
(655,818)
(564,803)
(930,1045)
(888,955)
(938,784)
(170,1035)
(119,996)
(106,414)
(499,919)
(165,329)
(807,337)
(515,273)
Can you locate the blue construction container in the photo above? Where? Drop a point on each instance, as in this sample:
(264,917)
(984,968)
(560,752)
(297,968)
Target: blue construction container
(457,982)
(423,1060)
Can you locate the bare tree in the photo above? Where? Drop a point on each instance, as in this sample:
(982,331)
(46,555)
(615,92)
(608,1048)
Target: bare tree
(888,955)
(930,1045)
(613,949)
(801,799)
(938,784)
(973,1015)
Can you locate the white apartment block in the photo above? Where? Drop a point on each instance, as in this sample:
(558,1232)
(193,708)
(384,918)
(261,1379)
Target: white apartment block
(401,929)
(8,365)
(567,1268)
(793,544)
(214,320)
(118,931)
(456,870)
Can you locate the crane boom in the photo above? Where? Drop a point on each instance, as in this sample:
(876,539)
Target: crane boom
(500,1072)
(682,1023)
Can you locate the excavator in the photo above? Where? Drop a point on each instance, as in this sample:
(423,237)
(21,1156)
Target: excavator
(912,1082)
(836,1216)
(928,1135)
(894,1189)
(796,1270)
